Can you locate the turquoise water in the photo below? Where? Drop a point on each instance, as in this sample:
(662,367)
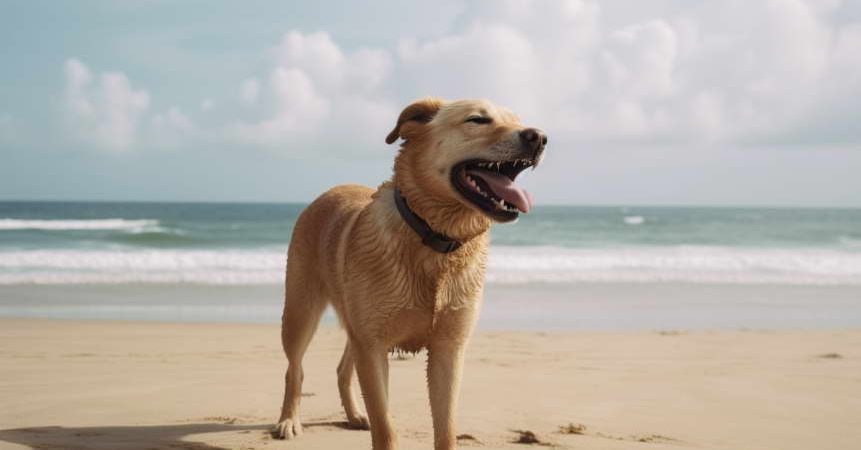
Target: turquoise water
(245,244)
(233,225)
(558,268)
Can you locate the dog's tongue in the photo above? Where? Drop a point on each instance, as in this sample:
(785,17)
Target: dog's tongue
(505,189)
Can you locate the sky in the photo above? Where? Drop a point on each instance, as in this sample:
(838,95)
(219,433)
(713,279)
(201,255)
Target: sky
(676,102)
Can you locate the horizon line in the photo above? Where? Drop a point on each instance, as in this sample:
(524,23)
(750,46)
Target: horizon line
(581,205)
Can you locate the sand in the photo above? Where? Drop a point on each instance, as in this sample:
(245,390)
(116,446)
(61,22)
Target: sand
(147,385)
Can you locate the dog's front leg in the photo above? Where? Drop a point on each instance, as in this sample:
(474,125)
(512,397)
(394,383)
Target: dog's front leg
(445,365)
(372,367)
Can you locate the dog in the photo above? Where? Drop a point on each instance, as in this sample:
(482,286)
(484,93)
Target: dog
(403,265)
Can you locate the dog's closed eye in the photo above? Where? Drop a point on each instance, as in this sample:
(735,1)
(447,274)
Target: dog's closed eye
(481,120)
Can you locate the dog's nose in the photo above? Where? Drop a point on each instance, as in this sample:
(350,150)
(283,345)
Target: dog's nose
(534,139)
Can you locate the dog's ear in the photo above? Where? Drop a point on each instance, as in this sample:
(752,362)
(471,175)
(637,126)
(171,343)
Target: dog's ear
(413,116)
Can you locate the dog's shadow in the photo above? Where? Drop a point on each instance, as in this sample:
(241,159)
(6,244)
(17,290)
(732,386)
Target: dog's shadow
(148,437)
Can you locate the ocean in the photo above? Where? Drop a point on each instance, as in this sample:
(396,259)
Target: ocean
(97,249)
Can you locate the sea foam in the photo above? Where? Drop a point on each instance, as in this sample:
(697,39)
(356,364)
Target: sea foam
(66,225)
(507,265)
(634,220)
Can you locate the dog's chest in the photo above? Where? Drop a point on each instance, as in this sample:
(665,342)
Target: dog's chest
(444,286)
(410,329)
(437,293)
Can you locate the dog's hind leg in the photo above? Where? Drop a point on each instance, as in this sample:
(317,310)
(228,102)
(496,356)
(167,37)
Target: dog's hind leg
(301,316)
(346,370)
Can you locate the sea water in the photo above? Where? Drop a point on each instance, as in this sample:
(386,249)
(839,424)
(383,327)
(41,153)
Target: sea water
(134,259)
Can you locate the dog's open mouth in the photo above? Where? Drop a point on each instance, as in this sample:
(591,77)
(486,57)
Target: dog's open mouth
(489,185)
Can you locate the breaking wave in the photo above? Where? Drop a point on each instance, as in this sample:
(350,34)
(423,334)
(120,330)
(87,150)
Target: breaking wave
(507,265)
(634,220)
(67,225)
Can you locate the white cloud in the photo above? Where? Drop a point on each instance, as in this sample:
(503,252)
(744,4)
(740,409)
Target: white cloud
(248,91)
(171,128)
(330,68)
(316,93)
(485,61)
(78,78)
(299,109)
(640,59)
(609,72)
(314,53)
(106,113)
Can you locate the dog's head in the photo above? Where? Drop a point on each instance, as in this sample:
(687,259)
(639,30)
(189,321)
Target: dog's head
(466,153)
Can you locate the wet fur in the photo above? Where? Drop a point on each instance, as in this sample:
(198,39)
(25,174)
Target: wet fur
(351,249)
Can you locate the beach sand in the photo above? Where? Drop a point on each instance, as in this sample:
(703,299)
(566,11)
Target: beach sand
(147,385)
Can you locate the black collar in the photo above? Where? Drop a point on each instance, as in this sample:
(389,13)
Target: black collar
(436,241)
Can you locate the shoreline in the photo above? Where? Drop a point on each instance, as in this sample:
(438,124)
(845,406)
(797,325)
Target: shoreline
(531,307)
(129,385)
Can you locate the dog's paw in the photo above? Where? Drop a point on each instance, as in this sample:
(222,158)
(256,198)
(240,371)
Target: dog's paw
(358,422)
(287,429)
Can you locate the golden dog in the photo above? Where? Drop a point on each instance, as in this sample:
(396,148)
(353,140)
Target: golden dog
(403,266)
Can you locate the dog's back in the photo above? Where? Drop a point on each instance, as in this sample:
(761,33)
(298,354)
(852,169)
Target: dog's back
(317,235)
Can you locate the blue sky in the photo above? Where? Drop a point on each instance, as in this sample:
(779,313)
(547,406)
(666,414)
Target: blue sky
(654,102)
